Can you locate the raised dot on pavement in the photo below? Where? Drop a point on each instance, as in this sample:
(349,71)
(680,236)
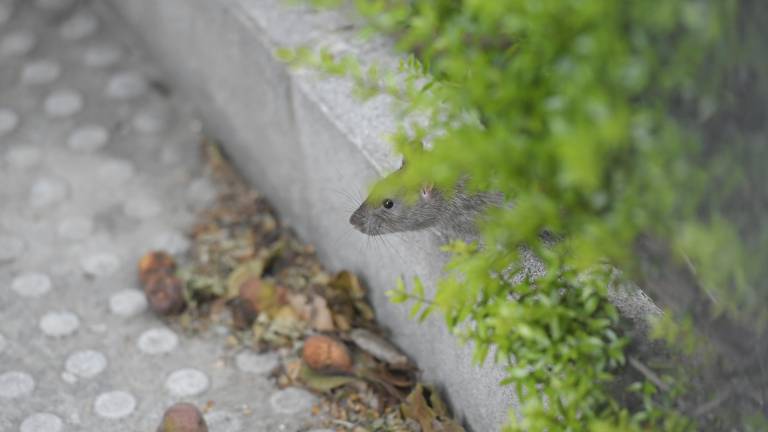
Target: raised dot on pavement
(158,341)
(292,401)
(126,85)
(262,364)
(86,364)
(75,228)
(11,247)
(39,72)
(101,55)
(79,26)
(171,241)
(88,138)
(116,171)
(59,323)
(186,382)
(47,191)
(128,302)
(100,264)
(18,43)
(31,284)
(142,207)
(9,120)
(223,421)
(41,422)
(6,11)
(23,157)
(149,121)
(63,103)
(114,405)
(15,384)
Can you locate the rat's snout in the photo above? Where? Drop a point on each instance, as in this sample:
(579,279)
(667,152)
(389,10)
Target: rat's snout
(357,220)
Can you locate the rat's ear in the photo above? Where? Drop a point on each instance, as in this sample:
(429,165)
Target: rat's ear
(426,190)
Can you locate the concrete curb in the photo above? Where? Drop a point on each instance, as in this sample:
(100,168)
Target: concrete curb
(308,144)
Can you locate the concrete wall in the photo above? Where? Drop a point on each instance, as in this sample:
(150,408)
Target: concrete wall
(313,149)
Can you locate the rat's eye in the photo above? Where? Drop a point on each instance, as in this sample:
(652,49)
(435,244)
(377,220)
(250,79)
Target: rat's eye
(387,203)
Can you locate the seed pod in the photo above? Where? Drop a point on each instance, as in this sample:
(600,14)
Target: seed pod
(183,417)
(155,262)
(165,294)
(326,354)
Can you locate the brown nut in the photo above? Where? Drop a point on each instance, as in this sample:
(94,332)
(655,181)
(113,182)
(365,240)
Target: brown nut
(165,294)
(243,313)
(155,262)
(183,417)
(324,353)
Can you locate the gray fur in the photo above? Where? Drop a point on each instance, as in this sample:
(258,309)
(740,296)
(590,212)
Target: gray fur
(452,215)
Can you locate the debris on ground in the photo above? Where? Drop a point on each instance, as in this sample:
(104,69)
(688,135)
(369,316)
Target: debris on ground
(246,271)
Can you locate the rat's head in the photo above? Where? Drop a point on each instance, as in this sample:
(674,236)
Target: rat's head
(383,213)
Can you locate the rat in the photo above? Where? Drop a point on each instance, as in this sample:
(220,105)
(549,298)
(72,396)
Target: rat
(451,214)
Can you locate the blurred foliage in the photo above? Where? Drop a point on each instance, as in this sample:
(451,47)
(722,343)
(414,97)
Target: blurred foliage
(605,122)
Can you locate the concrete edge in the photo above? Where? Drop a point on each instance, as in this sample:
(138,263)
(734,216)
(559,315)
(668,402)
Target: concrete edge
(299,136)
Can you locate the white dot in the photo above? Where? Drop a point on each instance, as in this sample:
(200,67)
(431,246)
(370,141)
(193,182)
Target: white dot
(23,157)
(11,247)
(158,341)
(9,120)
(172,242)
(63,103)
(149,121)
(86,364)
(142,207)
(75,228)
(81,25)
(126,85)
(223,421)
(262,364)
(127,303)
(53,5)
(40,72)
(292,401)
(17,44)
(186,382)
(100,264)
(101,55)
(41,422)
(116,171)
(58,324)
(88,138)
(3,342)
(31,284)
(15,384)
(68,377)
(6,10)
(47,191)
(114,405)
(201,193)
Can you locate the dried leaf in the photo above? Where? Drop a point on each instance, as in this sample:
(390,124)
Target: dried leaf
(379,347)
(348,282)
(322,382)
(245,271)
(321,315)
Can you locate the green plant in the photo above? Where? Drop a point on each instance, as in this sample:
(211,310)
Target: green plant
(634,129)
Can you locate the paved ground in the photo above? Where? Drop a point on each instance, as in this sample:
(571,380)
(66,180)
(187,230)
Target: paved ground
(98,165)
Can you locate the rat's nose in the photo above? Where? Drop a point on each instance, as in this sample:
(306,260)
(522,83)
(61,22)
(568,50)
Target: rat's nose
(356,220)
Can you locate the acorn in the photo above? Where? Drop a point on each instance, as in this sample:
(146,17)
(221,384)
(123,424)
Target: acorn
(165,294)
(155,262)
(183,417)
(326,354)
